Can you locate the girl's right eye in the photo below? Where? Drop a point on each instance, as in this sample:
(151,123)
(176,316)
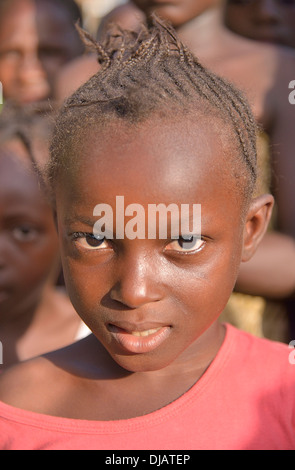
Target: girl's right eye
(24,233)
(89,242)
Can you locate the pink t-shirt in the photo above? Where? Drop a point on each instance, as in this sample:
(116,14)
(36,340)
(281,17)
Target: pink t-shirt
(245,400)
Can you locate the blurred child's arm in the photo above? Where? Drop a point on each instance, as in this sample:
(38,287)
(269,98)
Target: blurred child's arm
(271,271)
(282,147)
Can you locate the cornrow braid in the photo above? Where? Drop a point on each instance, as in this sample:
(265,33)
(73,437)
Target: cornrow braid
(26,124)
(142,73)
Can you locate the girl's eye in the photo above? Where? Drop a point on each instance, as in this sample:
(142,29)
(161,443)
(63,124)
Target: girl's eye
(90,242)
(24,233)
(189,244)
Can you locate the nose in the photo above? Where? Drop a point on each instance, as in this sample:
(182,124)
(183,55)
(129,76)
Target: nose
(32,75)
(267,11)
(137,282)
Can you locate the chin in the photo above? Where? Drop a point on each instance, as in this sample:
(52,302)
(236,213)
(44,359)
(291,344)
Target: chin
(141,363)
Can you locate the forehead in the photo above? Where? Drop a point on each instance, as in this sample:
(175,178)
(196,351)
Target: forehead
(17,178)
(16,19)
(152,163)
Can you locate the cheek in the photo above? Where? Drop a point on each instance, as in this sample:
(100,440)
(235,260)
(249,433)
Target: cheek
(205,290)
(7,75)
(40,263)
(86,286)
(51,65)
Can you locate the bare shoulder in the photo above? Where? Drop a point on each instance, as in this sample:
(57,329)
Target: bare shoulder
(42,383)
(24,384)
(262,71)
(260,56)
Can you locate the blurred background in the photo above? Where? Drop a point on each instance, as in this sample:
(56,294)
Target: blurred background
(94,10)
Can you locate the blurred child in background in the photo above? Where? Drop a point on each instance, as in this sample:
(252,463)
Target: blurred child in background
(270,21)
(37,37)
(35,316)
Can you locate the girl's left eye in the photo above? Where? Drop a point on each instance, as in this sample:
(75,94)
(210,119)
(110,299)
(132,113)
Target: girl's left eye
(189,244)
(89,241)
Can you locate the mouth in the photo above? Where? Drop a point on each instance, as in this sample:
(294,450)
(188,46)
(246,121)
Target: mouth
(139,339)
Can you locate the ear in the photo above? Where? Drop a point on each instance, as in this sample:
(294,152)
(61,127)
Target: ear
(257,219)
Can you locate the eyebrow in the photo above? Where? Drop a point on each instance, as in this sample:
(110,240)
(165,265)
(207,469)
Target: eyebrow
(81,219)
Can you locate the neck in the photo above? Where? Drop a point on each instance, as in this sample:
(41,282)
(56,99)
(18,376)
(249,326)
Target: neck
(202,29)
(194,361)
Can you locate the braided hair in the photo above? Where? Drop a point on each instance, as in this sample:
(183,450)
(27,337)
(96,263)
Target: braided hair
(30,125)
(140,74)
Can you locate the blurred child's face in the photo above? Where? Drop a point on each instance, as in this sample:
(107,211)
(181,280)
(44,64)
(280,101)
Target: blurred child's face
(263,20)
(149,301)
(35,40)
(176,12)
(28,240)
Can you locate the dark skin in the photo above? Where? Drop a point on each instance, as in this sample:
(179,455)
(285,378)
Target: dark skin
(35,41)
(199,24)
(138,285)
(34,317)
(262,20)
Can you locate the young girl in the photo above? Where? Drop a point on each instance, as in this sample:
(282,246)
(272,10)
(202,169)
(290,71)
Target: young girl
(159,371)
(35,316)
(270,274)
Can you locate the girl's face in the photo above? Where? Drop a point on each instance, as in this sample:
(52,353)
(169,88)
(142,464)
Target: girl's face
(28,239)
(149,301)
(177,12)
(35,40)
(263,20)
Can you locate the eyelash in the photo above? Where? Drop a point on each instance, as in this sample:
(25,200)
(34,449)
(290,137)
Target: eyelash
(188,252)
(83,235)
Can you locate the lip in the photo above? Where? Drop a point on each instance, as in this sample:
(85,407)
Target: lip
(138,339)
